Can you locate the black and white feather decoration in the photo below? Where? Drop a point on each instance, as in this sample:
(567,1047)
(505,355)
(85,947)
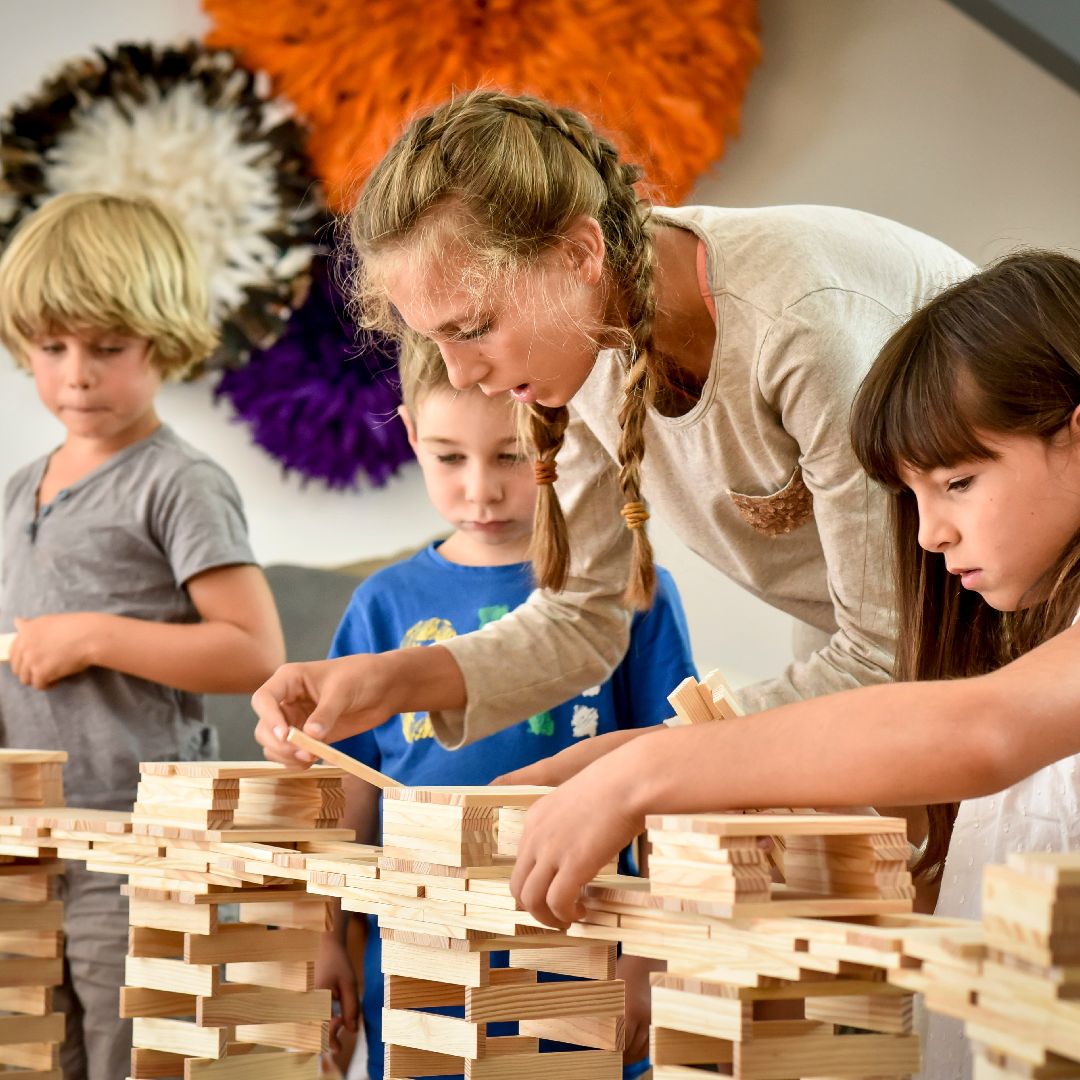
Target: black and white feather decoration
(191,128)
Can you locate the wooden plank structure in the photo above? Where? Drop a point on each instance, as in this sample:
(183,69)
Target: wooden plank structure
(832,940)
(31,919)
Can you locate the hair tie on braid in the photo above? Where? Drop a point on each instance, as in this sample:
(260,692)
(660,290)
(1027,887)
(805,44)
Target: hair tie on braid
(545,472)
(635,515)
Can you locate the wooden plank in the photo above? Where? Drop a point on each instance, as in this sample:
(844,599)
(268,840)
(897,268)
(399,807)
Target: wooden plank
(171,975)
(598,1032)
(490,796)
(583,1065)
(312,914)
(417,962)
(341,760)
(28,1000)
(235,942)
(246,1005)
(6,641)
(262,1066)
(540,1001)
(179,1037)
(232,770)
(151,1064)
(277,974)
(140,1001)
(152,942)
(429,1031)
(31,1029)
(46,944)
(584,962)
(32,916)
(827,1055)
(881,1013)
(670,1047)
(312,1037)
(168,915)
(20,971)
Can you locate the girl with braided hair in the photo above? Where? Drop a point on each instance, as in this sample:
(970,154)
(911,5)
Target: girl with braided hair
(706,357)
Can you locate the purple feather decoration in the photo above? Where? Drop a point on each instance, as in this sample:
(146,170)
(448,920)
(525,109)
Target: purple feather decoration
(323,400)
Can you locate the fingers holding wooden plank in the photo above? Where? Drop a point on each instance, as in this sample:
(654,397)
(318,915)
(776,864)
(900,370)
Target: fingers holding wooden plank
(342,761)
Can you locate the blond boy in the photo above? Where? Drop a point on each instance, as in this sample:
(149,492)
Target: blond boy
(127,573)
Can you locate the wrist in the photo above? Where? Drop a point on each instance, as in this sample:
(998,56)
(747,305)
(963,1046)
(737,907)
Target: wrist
(423,678)
(94,639)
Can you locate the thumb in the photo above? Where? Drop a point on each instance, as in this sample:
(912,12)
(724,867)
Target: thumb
(321,720)
(19,623)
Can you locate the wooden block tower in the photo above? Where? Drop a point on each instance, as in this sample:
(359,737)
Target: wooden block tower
(215,999)
(444,905)
(31,918)
(1021,1004)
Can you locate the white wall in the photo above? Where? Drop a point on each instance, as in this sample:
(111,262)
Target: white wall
(906,109)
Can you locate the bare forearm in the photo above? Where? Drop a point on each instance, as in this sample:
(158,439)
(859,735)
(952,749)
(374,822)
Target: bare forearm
(904,745)
(203,657)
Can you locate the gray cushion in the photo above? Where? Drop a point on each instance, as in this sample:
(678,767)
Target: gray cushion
(310,603)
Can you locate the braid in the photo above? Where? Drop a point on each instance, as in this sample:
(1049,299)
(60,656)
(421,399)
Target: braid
(550,552)
(631,256)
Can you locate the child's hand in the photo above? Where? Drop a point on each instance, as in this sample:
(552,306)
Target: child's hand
(52,647)
(334,972)
(329,699)
(569,836)
(634,971)
(557,769)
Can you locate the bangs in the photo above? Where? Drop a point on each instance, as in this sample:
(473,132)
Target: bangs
(918,408)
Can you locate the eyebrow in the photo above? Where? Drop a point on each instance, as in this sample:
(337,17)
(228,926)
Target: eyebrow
(443,441)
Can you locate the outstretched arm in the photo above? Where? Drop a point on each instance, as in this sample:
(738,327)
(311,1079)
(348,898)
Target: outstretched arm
(902,744)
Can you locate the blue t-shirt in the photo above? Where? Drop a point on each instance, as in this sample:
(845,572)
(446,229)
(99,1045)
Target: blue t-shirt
(427,599)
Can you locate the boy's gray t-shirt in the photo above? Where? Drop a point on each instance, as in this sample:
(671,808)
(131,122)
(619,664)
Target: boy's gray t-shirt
(122,540)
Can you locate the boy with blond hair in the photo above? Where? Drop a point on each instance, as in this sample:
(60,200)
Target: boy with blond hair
(127,573)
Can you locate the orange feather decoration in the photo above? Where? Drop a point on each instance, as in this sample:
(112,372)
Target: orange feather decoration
(664,78)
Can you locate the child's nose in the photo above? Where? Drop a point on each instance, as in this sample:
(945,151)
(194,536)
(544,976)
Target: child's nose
(482,485)
(935,532)
(77,367)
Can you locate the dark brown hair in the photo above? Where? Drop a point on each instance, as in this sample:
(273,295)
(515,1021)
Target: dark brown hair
(998,353)
(509,175)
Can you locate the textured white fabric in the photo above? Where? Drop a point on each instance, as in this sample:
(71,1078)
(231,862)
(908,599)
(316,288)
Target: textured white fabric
(1040,813)
(805,297)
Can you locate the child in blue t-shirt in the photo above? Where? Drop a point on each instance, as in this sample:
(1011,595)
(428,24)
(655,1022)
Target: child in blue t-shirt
(479,480)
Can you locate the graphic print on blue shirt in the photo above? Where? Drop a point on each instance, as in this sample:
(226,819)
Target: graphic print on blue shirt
(427,599)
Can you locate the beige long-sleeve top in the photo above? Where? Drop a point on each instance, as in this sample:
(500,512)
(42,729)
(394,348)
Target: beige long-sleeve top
(758,478)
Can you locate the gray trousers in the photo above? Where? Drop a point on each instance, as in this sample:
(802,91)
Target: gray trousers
(97,1043)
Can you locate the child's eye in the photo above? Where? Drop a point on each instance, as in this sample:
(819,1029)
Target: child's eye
(449,459)
(960,483)
(512,459)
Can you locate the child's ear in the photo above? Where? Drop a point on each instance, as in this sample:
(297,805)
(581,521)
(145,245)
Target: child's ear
(410,427)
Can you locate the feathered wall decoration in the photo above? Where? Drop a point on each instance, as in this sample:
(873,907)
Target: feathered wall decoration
(664,77)
(192,129)
(323,400)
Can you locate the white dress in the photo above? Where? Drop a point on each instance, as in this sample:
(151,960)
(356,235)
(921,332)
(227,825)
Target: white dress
(1040,813)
